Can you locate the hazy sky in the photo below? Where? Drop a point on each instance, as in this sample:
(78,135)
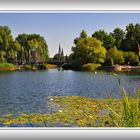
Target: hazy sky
(63,28)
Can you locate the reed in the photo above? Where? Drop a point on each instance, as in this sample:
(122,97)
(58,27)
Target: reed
(129,114)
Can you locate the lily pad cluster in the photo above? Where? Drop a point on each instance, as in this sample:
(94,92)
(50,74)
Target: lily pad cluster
(75,111)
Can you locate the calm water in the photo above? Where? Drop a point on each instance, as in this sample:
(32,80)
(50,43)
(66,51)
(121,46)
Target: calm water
(27,91)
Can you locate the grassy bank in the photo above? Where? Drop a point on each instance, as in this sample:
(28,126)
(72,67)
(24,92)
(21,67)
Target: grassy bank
(90,67)
(7,67)
(85,112)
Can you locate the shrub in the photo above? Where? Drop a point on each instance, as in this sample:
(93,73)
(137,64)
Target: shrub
(42,66)
(90,67)
(28,67)
(7,65)
(131,58)
(116,55)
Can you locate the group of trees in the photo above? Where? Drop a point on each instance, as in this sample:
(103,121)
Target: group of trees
(117,47)
(24,49)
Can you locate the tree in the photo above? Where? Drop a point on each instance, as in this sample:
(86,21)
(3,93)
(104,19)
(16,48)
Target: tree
(88,50)
(59,53)
(116,55)
(33,48)
(107,39)
(119,35)
(130,43)
(83,34)
(62,56)
(6,42)
(22,39)
(131,58)
(2,58)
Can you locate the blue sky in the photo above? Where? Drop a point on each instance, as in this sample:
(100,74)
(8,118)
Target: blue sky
(63,28)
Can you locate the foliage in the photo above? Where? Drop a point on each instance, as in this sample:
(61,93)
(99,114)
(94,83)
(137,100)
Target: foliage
(129,110)
(2,58)
(131,58)
(115,55)
(132,39)
(107,39)
(129,113)
(90,67)
(83,34)
(7,65)
(89,50)
(27,67)
(119,35)
(42,66)
(128,45)
(6,42)
(33,48)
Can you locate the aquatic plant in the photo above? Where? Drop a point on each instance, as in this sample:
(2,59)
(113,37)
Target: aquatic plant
(129,110)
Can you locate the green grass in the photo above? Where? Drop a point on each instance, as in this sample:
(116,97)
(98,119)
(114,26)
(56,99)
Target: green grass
(129,111)
(7,65)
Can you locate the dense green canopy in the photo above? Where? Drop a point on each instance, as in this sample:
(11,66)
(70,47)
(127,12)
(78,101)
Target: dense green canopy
(26,48)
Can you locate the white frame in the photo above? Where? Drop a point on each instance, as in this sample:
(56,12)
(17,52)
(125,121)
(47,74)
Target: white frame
(72,6)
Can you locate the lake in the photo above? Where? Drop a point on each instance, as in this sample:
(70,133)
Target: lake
(27,91)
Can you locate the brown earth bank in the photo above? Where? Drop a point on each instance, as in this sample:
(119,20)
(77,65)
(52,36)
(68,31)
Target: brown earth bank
(8,69)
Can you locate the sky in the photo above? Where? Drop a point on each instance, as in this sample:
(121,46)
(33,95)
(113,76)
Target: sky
(63,28)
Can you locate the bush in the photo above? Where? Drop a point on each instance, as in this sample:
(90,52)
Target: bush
(90,67)
(116,55)
(28,67)
(7,65)
(131,58)
(42,66)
